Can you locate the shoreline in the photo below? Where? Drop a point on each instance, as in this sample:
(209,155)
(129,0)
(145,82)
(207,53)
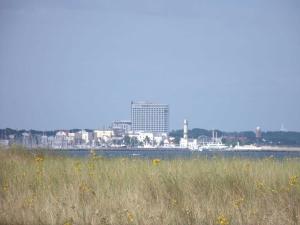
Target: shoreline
(263,149)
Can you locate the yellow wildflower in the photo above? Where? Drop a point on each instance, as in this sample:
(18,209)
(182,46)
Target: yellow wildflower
(39,158)
(260,185)
(293,180)
(222,220)
(155,162)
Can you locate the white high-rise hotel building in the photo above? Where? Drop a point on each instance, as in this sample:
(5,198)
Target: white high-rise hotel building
(150,117)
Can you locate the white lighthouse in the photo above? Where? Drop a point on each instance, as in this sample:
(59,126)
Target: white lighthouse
(185,129)
(185,142)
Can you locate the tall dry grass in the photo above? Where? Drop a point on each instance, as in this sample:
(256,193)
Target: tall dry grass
(59,190)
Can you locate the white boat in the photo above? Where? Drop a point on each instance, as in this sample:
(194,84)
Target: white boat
(215,145)
(245,147)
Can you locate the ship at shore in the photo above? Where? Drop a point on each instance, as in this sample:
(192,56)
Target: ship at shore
(239,147)
(214,145)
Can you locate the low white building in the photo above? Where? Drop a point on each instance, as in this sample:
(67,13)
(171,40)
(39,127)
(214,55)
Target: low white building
(124,125)
(189,143)
(60,139)
(44,140)
(105,135)
(71,136)
(60,134)
(149,138)
(159,138)
(145,136)
(85,136)
(4,143)
(169,143)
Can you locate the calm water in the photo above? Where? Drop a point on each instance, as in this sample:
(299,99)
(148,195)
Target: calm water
(183,154)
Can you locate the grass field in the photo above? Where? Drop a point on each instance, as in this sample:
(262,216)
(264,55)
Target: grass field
(37,189)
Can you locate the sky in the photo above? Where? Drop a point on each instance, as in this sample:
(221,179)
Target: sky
(230,65)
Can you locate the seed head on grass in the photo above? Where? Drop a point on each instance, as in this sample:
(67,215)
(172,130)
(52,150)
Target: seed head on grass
(5,187)
(238,203)
(69,222)
(130,217)
(91,169)
(77,167)
(174,201)
(84,188)
(28,202)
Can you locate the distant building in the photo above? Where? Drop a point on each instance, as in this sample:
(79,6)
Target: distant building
(85,136)
(61,134)
(71,138)
(4,143)
(147,138)
(103,135)
(44,141)
(60,139)
(122,126)
(150,117)
(26,139)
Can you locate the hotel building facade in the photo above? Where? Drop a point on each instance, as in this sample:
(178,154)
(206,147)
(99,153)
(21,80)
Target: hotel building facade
(150,117)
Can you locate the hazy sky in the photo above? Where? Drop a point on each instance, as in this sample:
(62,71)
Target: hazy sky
(231,64)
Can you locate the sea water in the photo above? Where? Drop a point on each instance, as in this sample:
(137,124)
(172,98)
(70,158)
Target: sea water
(181,154)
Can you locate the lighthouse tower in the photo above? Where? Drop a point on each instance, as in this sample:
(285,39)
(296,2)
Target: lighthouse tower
(184,141)
(185,129)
